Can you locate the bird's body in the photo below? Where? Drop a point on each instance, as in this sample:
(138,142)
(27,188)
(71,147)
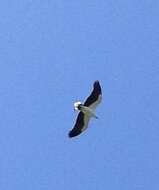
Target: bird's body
(87,110)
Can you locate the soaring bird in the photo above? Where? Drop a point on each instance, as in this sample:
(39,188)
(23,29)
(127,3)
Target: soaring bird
(87,110)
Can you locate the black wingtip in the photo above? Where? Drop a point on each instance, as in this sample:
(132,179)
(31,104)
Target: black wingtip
(73,133)
(96,81)
(97,86)
(70,135)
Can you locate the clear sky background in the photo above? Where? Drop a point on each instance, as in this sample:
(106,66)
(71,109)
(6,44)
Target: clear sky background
(51,52)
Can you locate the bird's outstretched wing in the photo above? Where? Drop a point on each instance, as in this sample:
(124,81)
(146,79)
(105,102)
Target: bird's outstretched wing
(80,125)
(96,96)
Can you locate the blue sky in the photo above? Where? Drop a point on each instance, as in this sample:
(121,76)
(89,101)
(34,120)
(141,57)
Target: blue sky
(50,54)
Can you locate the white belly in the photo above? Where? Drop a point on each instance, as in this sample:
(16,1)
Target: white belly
(87,111)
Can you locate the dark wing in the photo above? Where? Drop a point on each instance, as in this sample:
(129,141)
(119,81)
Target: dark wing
(77,129)
(95,96)
(80,125)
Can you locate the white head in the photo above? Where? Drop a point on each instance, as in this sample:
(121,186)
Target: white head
(76,104)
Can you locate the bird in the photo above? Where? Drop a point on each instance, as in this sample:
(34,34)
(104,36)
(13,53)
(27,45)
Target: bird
(86,110)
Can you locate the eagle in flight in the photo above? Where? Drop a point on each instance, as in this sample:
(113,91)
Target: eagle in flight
(87,110)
